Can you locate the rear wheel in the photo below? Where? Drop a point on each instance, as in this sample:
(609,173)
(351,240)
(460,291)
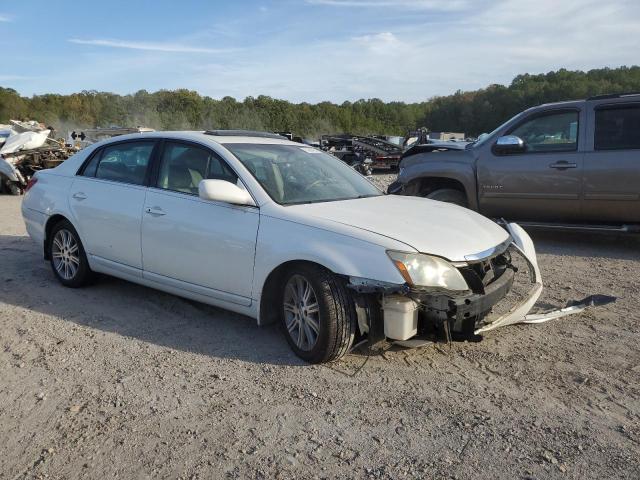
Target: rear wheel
(318,314)
(68,259)
(449,195)
(9,186)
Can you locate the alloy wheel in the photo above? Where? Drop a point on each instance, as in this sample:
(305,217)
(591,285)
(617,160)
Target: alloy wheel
(65,253)
(301,312)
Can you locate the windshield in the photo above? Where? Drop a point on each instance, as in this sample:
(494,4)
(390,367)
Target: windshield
(483,137)
(293,174)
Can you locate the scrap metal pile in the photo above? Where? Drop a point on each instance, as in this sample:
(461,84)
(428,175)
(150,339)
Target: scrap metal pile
(362,152)
(25,148)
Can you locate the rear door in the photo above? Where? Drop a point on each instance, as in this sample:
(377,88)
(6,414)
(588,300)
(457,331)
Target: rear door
(543,183)
(106,199)
(197,245)
(612,164)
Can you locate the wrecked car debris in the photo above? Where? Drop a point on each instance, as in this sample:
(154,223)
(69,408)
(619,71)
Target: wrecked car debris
(412,317)
(26,149)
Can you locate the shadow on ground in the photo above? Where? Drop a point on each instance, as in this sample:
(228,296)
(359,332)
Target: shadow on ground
(127,309)
(587,244)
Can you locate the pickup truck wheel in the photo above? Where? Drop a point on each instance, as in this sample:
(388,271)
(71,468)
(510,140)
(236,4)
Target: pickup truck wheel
(68,259)
(318,314)
(449,195)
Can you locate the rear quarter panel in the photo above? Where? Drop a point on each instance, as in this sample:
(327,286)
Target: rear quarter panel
(48,197)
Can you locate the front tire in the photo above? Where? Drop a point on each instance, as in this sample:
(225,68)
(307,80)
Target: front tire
(449,195)
(318,314)
(68,258)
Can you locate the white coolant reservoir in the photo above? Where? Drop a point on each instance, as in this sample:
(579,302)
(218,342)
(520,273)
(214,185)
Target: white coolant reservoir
(400,317)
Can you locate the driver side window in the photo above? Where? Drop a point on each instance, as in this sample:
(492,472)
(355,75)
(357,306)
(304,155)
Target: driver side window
(183,166)
(553,132)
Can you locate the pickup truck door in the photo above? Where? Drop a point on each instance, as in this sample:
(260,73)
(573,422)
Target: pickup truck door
(612,164)
(542,183)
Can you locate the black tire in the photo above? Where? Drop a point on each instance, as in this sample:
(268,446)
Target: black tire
(82,274)
(336,315)
(449,195)
(8,186)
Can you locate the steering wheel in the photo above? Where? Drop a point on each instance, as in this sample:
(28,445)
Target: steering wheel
(313,184)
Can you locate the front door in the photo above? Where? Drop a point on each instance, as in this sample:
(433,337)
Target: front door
(202,246)
(106,200)
(544,182)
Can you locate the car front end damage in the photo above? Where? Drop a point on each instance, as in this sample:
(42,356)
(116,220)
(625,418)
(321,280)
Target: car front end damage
(501,286)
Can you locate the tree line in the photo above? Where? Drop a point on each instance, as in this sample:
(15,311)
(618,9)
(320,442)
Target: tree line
(471,112)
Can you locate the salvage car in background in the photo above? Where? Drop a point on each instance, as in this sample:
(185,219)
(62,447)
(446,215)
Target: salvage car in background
(563,165)
(278,231)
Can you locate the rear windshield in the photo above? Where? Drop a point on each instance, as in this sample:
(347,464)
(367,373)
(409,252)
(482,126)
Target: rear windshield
(293,174)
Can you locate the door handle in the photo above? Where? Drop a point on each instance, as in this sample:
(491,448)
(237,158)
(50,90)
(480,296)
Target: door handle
(155,211)
(563,165)
(79,196)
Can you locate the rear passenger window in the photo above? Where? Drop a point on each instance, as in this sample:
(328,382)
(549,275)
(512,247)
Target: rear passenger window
(617,128)
(123,162)
(183,166)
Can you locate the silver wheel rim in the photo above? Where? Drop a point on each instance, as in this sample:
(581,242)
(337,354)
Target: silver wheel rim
(301,312)
(66,254)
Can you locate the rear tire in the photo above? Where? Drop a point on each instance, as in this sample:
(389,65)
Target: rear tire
(9,186)
(449,195)
(317,314)
(68,259)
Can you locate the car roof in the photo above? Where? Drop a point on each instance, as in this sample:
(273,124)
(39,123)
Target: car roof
(203,137)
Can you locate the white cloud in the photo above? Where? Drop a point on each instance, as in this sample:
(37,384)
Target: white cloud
(148,46)
(5,18)
(381,43)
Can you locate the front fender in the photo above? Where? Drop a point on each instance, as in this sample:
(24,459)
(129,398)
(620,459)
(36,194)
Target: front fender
(281,241)
(463,173)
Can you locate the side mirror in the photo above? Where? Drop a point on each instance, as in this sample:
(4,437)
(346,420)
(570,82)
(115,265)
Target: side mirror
(509,144)
(223,191)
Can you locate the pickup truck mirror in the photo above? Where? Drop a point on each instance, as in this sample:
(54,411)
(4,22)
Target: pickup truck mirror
(509,144)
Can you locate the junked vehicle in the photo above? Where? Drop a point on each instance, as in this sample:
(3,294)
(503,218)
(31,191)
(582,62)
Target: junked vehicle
(569,165)
(23,154)
(281,232)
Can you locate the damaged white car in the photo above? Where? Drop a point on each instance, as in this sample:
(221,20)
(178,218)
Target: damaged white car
(281,232)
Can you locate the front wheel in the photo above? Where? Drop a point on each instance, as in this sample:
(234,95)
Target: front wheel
(68,259)
(318,314)
(449,195)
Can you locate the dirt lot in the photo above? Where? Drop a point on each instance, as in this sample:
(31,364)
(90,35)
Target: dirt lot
(118,380)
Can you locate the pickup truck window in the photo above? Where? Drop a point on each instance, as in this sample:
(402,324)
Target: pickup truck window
(617,128)
(550,132)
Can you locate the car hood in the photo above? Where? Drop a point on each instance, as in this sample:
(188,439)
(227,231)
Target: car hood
(428,226)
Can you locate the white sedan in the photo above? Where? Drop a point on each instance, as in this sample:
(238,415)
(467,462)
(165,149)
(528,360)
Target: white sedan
(278,231)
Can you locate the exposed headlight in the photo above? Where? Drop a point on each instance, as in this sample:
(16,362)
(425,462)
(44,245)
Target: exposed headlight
(421,270)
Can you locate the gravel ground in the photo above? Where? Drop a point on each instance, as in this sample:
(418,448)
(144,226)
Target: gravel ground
(117,380)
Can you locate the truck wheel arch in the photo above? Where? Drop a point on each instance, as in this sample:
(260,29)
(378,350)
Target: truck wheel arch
(422,187)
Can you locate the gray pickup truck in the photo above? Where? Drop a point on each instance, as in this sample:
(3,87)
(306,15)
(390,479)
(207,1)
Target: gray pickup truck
(566,165)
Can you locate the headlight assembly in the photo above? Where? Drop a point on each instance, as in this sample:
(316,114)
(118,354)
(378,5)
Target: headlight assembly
(421,270)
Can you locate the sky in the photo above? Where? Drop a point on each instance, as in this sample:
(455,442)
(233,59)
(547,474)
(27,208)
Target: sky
(307,50)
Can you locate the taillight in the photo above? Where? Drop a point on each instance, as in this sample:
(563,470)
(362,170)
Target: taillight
(30,184)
